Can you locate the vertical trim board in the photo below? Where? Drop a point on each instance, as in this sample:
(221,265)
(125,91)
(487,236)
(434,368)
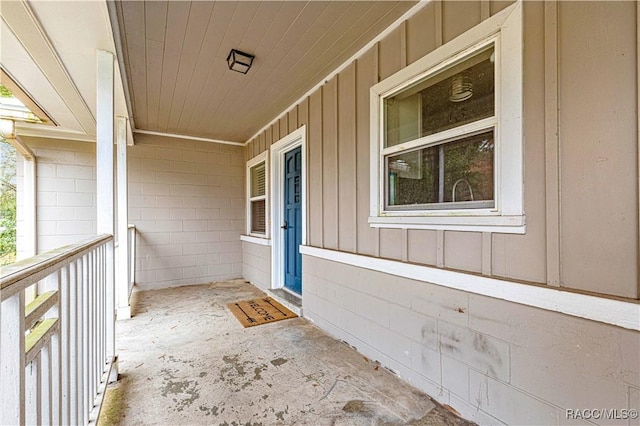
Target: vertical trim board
(316,206)
(373,190)
(440,248)
(268,139)
(552,143)
(274,131)
(284,125)
(638,135)
(330,163)
(485,9)
(347,176)
(293,119)
(405,245)
(403,44)
(365,78)
(421,33)
(438,25)
(487,251)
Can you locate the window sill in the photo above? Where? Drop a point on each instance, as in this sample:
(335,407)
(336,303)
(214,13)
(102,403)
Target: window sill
(263,241)
(498,224)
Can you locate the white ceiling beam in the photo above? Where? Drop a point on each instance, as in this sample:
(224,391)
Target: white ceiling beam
(192,138)
(50,132)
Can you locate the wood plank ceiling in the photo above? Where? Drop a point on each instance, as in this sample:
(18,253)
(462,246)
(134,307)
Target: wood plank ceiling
(175,56)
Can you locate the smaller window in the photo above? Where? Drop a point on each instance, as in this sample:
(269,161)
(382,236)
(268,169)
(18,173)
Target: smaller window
(257,196)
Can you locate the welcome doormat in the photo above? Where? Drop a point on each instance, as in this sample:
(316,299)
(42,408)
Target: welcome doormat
(259,311)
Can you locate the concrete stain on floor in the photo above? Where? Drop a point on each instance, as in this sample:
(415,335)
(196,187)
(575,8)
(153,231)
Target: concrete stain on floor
(185,360)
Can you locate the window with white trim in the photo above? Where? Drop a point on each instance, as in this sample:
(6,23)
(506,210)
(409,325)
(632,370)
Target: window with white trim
(447,135)
(257,196)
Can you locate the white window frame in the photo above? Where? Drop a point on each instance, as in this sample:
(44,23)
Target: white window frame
(255,161)
(504,30)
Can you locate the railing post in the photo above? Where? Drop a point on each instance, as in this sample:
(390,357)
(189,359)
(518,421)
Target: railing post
(46,389)
(73,341)
(12,360)
(33,383)
(56,378)
(82,340)
(65,344)
(85,338)
(92,344)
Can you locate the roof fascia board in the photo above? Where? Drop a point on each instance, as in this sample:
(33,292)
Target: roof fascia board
(117,43)
(9,82)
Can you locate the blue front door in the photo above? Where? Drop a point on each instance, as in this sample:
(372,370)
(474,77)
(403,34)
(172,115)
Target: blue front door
(293,220)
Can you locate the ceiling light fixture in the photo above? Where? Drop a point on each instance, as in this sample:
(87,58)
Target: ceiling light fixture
(239,61)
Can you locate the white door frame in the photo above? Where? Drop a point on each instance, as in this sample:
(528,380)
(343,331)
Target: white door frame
(293,140)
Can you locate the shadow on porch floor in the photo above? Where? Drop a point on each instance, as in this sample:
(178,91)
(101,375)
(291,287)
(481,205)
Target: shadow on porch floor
(185,359)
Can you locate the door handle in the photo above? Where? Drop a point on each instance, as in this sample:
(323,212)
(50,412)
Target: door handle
(285,226)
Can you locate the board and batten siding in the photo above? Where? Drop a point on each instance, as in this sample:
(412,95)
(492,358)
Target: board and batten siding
(580,151)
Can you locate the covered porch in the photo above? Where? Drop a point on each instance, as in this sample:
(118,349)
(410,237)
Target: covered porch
(430,182)
(208,369)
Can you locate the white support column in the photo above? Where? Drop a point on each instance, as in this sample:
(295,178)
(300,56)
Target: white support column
(30,233)
(30,201)
(105,182)
(122,277)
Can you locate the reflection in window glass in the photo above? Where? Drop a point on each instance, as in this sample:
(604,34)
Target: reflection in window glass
(458,173)
(258,220)
(258,180)
(458,95)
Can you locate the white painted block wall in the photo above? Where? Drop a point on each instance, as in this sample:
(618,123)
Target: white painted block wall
(256,264)
(494,361)
(66,192)
(186,200)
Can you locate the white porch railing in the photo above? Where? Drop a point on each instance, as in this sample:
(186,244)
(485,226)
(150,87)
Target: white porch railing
(55,353)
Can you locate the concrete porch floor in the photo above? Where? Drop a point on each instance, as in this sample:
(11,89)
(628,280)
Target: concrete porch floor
(185,359)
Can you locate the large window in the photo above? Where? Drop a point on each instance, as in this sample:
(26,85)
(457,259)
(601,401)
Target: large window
(257,196)
(447,135)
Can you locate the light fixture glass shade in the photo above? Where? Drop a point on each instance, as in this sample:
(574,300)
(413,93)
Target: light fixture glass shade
(239,61)
(461,87)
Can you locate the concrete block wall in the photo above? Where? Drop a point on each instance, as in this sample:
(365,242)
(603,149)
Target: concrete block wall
(256,264)
(66,192)
(186,199)
(494,361)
